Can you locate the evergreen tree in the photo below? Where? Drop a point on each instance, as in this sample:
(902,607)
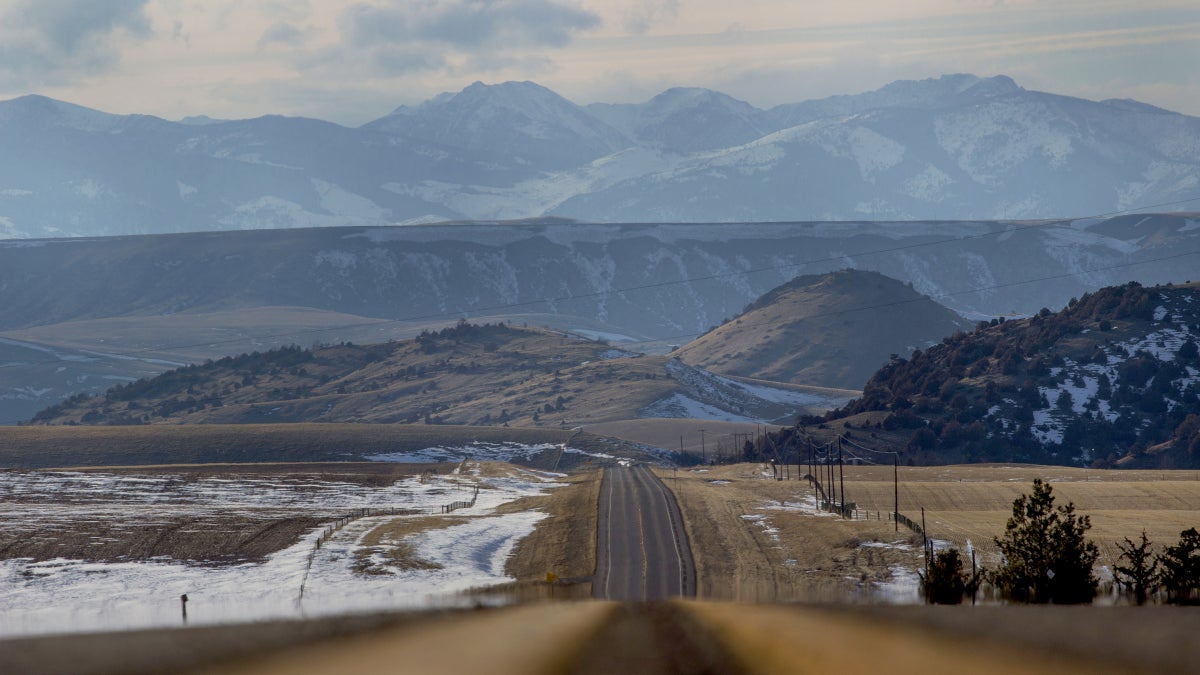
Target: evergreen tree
(947,583)
(1181,569)
(1046,558)
(1141,574)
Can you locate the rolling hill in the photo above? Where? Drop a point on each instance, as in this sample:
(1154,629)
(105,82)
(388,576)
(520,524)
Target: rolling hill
(831,330)
(1112,379)
(492,374)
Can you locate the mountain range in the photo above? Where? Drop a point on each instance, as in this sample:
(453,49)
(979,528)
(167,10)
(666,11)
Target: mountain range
(955,147)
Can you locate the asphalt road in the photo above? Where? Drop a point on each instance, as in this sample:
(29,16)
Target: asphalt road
(642,550)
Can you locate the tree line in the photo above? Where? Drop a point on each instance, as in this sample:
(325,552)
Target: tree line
(1046,558)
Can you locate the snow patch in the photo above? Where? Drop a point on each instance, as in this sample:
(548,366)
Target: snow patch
(61,595)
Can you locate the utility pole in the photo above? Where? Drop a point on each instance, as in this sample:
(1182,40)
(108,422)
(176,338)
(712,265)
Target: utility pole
(829,470)
(703,451)
(842,475)
(925,541)
(896,489)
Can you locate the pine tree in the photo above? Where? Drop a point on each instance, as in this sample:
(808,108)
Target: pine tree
(1045,555)
(1141,574)
(1181,569)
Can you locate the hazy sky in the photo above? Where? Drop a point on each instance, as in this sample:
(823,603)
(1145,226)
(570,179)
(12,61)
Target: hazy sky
(350,61)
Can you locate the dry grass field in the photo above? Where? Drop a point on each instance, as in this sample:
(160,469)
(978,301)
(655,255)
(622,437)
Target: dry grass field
(564,544)
(972,503)
(75,446)
(759,539)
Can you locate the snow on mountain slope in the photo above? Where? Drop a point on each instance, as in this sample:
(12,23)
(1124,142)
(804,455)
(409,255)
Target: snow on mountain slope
(955,147)
(684,120)
(519,121)
(1113,378)
(930,94)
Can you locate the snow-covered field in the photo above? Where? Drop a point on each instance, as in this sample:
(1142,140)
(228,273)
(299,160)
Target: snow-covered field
(302,580)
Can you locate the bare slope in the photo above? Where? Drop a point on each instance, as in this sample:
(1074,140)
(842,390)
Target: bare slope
(830,330)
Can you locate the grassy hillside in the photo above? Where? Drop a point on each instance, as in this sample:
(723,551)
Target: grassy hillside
(468,374)
(830,330)
(493,374)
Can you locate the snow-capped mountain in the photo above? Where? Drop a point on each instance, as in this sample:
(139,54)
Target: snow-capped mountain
(518,123)
(955,147)
(70,171)
(685,120)
(933,94)
(991,151)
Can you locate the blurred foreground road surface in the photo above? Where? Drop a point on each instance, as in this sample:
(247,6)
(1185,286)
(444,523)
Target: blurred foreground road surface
(589,637)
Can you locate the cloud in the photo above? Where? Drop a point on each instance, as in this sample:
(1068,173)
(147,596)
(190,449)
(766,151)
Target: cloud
(531,65)
(644,13)
(399,60)
(467,25)
(284,33)
(62,40)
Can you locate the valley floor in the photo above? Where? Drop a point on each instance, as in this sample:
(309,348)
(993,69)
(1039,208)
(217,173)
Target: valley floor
(115,549)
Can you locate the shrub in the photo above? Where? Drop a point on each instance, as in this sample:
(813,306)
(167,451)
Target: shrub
(1140,575)
(1181,569)
(947,583)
